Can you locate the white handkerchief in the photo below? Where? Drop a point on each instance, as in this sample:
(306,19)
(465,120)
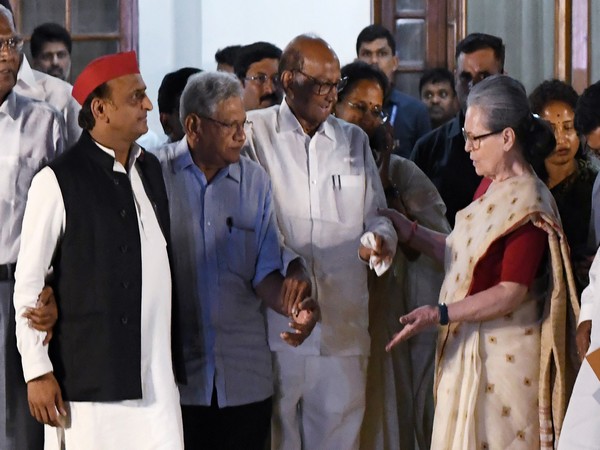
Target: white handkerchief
(378,265)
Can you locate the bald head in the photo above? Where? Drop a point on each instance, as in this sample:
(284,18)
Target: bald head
(310,73)
(305,47)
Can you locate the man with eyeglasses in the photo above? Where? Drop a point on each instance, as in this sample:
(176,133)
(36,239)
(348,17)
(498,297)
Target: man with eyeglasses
(441,153)
(32,134)
(257,67)
(227,259)
(375,45)
(40,86)
(51,50)
(326,192)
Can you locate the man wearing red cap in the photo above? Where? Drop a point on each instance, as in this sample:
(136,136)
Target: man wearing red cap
(99,217)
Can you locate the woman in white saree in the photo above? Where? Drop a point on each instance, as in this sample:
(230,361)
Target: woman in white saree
(503,372)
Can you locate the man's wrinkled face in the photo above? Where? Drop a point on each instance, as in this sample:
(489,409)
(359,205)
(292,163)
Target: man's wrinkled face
(314,90)
(10,56)
(261,84)
(222,134)
(440,101)
(379,53)
(54,59)
(471,68)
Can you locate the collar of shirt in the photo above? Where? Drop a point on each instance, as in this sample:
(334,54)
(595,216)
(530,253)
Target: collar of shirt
(134,154)
(9,106)
(25,76)
(287,121)
(183,159)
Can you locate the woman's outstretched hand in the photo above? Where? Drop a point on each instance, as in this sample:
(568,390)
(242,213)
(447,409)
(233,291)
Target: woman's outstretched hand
(415,322)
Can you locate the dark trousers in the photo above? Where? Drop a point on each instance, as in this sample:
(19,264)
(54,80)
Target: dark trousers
(18,429)
(244,427)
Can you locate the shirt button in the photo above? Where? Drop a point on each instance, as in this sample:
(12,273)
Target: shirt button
(208,223)
(314,181)
(124,248)
(123,213)
(124,320)
(125,284)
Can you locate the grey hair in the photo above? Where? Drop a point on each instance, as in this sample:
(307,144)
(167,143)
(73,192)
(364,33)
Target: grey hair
(6,13)
(504,104)
(205,90)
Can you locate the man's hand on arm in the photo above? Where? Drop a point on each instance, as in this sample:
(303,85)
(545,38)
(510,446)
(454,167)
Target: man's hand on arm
(296,287)
(43,317)
(45,400)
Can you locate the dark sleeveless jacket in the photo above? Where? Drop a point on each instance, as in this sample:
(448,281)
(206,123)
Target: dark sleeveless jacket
(96,347)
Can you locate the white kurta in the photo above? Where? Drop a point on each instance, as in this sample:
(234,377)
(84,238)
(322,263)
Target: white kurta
(581,428)
(153,422)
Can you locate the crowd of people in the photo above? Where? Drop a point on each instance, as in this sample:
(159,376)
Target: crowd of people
(313,259)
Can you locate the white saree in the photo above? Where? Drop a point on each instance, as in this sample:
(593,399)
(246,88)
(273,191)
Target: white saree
(490,375)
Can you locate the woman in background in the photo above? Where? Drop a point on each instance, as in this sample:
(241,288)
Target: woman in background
(567,171)
(399,409)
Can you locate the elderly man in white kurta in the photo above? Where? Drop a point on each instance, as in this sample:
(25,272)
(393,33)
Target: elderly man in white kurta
(99,217)
(326,190)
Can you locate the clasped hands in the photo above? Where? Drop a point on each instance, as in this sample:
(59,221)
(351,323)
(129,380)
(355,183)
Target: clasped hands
(302,310)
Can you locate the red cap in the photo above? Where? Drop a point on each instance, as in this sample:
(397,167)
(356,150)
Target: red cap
(101,70)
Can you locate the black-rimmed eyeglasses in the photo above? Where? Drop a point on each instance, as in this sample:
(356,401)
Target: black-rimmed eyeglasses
(324,87)
(476,140)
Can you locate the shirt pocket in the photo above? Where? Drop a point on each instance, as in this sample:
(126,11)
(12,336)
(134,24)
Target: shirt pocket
(242,252)
(349,198)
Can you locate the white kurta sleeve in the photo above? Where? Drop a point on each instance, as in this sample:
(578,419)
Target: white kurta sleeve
(590,293)
(43,224)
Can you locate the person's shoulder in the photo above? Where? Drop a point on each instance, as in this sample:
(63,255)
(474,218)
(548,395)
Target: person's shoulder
(30,107)
(263,114)
(252,170)
(437,135)
(167,153)
(405,101)
(51,83)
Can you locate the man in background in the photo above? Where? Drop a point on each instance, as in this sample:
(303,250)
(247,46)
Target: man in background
(437,91)
(32,135)
(169,94)
(51,50)
(376,45)
(40,86)
(225,58)
(257,67)
(441,153)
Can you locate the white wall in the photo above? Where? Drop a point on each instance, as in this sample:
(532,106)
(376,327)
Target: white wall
(179,33)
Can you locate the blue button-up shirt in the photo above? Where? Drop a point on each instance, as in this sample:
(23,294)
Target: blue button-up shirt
(224,243)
